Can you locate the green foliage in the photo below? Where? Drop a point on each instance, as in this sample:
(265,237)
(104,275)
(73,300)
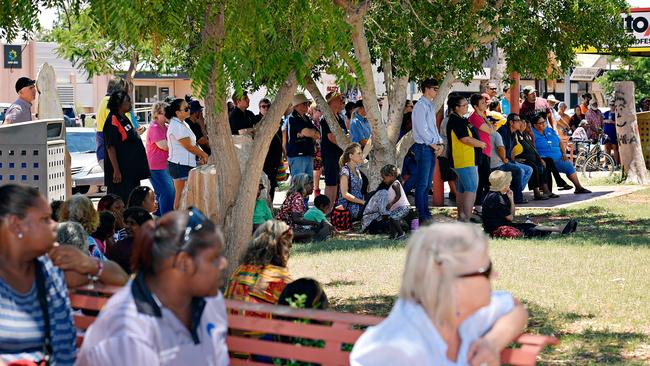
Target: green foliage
(299,302)
(636,69)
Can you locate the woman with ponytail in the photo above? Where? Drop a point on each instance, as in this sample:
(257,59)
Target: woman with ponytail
(263,273)
(446,313)
(172,312)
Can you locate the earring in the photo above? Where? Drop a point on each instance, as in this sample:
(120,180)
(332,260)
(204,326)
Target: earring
(20,235)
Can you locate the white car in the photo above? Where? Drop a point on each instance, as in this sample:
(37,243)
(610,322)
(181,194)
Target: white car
(87,175)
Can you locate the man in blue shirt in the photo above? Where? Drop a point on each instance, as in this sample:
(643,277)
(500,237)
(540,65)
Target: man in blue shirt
(360,129)
(428,146)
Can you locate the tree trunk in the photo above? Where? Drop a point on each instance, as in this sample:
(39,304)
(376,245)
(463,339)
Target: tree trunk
(341,138)
(130,75)
(627,130)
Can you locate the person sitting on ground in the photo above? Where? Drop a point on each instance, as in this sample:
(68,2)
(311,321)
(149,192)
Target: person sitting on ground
(114,204)
(293,210)
(351,195)
(144,197)
(262,273)
(499,213)
(79,267)
(318,213)
(105,232)
(262,211)
(122,251)
(173,307)
(28,275)
(398,206)
(447,312)
(548,144)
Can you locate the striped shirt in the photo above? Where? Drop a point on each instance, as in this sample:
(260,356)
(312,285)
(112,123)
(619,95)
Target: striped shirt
(22,330)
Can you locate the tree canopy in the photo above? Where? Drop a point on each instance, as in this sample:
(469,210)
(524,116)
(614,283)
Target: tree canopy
(636,69)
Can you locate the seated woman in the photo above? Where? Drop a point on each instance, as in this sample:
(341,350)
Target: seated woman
(351,182)
(122,251)
(262,212)
(499,213)
(144,197)
(524,152)
(172,312)
(80,208)
(446,312)
(262,273)
(32,289)
(293,210)
(105,232)
(73,257)
(114,204)
(548,145)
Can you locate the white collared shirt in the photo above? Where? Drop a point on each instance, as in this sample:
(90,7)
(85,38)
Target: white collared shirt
(124,334)
(408,337)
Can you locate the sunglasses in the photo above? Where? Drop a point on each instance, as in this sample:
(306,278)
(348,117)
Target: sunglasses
(265,106)
(485,272)
(195,222)
(493,88)
(186,109)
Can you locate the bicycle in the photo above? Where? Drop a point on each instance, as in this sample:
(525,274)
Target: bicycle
(592,158)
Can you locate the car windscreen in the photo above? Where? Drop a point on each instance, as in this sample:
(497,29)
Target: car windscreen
(81,142)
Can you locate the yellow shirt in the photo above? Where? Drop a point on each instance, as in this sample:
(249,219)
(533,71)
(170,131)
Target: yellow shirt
(463,155)
(102,114)
(500,118)
(518,148)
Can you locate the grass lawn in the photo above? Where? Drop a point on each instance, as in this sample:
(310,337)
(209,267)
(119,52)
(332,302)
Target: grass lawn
(591,289)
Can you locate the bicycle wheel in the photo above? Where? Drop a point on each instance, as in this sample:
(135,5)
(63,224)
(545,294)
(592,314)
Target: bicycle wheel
(580,160)
(598,164)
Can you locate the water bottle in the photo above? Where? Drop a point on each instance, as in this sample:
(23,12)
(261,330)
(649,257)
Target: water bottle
(415,224)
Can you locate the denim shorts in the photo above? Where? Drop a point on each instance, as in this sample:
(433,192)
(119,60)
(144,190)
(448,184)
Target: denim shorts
(565,167)
(179,171)
(467,181)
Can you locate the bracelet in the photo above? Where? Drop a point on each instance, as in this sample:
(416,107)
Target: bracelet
(100,269)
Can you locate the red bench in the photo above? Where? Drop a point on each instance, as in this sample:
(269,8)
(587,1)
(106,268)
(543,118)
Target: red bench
(334,332)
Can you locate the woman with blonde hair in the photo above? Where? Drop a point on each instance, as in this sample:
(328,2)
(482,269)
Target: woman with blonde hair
(262,273)
(157,155)
(446,312)
(351,195)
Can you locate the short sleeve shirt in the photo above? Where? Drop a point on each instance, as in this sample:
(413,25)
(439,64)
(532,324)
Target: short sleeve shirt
(241,120)
(496,207)
(299,146)
(461,155)
(131,154)
(329,150)
(477,121)
(198,132)
(548,143)
(20,111)
(495,141)
(156,156)
(176,131)
(529,110)
(314,214)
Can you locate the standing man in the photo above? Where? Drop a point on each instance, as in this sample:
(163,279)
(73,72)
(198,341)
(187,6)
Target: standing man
(241,119)
(428,146)
(533,104)
(197,125)
(21,110)
(329,150)
(274,156)
(301,136)
(360,129)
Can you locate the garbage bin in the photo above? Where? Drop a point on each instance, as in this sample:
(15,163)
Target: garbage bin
(32,153)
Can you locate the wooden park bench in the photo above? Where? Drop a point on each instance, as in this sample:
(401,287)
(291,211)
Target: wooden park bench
(316,336)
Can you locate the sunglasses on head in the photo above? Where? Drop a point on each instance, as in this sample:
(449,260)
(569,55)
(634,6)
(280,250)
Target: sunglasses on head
(485,272)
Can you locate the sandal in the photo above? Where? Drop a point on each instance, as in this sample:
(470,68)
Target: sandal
(581,191)
(565,188)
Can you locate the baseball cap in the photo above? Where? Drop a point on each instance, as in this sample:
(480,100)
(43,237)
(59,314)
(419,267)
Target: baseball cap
(529,89)
(195,106)
(23,82)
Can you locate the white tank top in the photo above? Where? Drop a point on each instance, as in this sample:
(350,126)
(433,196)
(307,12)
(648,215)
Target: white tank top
(403,201)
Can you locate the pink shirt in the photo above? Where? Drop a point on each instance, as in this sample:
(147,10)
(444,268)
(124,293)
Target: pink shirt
(476,121)
(156,156)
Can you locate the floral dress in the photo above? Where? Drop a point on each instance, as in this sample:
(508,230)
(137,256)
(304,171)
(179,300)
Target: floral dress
(355,183)
(293,203)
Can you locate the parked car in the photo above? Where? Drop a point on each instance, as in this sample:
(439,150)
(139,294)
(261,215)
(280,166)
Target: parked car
(87,175)
(3,108)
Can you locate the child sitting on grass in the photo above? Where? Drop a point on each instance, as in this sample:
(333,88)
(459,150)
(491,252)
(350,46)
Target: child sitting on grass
(262,211)
(318,213)
(398,206)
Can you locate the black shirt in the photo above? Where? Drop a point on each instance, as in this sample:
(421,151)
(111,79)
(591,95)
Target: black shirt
(509,141)
(131,155)
(240,120)
(328,149)
(496,207)
(299,146)
(198,132)
(459,125)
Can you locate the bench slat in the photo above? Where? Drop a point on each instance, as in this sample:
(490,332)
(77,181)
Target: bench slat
(83,321)
(287,351)
(87,302)
(289,328)
(99,287)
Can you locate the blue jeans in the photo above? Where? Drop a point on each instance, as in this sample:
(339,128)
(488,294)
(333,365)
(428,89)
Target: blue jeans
(521,173)
(301,165)
(163,187)
(422,178)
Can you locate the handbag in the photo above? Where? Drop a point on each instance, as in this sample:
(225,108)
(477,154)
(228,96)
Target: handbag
(341,218)
(283,174)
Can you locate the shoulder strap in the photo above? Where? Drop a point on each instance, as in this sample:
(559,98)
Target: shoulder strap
(42,300)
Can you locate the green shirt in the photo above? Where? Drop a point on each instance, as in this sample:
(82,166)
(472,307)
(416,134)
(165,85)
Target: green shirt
(262,212)
(314,214)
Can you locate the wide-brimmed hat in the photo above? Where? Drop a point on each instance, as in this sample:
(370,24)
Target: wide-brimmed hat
(551,98)
(500,180)
(299,98)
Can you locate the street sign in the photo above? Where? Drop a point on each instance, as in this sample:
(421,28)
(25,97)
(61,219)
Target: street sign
(637,23)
